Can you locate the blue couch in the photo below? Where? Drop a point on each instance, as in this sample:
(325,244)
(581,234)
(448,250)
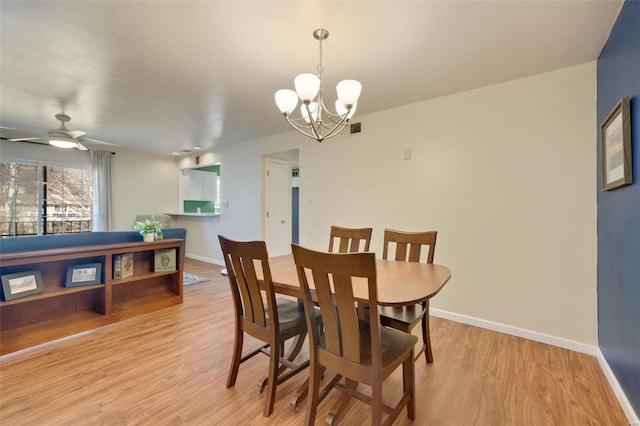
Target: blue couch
(44,242)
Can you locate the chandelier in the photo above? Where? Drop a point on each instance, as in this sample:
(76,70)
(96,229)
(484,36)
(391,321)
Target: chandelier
(316,120)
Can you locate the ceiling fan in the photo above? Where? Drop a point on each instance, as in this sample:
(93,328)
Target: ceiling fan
(60,137)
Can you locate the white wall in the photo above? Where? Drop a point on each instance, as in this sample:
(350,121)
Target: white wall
(506,174)
(143,183)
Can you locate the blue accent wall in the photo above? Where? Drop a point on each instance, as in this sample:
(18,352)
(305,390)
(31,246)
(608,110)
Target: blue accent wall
(619,211)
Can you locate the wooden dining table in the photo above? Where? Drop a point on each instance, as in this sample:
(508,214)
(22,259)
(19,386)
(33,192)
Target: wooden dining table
(399,284)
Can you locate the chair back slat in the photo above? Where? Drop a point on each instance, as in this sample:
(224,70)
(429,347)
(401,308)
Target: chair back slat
(241,259)
(350,239)
(337,304)
(242,287)
(401,251)
(409,245)
(347,315)
(329,315)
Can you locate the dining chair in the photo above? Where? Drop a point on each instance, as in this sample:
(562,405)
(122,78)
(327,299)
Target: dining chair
(358,351)
(348,239)
(408,248)
(270,319)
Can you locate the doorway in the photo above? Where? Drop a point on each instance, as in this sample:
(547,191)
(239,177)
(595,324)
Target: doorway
(279,214)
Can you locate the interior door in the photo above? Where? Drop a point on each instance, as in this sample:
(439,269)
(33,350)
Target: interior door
(277,203)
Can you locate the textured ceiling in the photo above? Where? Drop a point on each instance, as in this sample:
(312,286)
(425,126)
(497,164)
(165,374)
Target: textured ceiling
(165,76)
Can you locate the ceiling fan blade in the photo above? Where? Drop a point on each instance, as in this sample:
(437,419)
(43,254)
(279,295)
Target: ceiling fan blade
(9,133)
(99,142)
(81,147)
(37,141)
(22,139)
(75,134)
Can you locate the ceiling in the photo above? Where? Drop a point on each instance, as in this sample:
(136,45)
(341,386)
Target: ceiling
(165,76)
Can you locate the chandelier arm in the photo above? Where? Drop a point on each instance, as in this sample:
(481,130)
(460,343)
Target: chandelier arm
(300,129)
(314,123)
(343,123)
(322,108)
(299,122)
(337,124)
(333,119)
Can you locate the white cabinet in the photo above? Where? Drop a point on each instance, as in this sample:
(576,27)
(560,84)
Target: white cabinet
(199,185)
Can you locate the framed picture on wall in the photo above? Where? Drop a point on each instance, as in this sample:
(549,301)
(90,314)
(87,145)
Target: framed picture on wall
(615,147)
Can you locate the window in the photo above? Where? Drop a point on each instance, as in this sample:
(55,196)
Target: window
(37,199)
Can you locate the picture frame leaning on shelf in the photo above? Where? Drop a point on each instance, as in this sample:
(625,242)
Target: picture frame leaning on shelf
(21,284)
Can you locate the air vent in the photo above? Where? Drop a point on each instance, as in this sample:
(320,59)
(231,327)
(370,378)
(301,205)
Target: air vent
(355,128)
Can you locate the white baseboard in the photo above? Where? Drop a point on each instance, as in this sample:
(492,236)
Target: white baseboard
(205,259)
(516,331)
(617,389)
(550,340)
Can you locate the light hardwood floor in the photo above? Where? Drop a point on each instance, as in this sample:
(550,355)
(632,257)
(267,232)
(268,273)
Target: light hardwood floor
(169,368)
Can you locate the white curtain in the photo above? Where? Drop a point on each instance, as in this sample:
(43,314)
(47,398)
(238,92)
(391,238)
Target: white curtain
(102,215)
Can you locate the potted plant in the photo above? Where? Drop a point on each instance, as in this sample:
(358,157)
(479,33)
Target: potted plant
(150,229)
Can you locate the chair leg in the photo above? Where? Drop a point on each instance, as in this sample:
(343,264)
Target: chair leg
(409,385)
(426,336)
(339,408)
(272,380)
(315,372)
(236,357)
(296,346)
(376,403)
(290,356)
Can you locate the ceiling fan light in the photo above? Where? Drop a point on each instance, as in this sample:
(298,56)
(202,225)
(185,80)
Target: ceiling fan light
(286,100)
(61,143)
(307,86)
(349,91)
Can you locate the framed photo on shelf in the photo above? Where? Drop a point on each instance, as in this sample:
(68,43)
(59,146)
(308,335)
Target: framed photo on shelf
(87,274)
(21,284)
(615,147)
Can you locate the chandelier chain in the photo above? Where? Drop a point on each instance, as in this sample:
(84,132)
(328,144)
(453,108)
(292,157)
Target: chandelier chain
(320,67)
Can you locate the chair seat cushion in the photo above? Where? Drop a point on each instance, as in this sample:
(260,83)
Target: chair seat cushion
(403,317)
(291,316)
(392,342)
